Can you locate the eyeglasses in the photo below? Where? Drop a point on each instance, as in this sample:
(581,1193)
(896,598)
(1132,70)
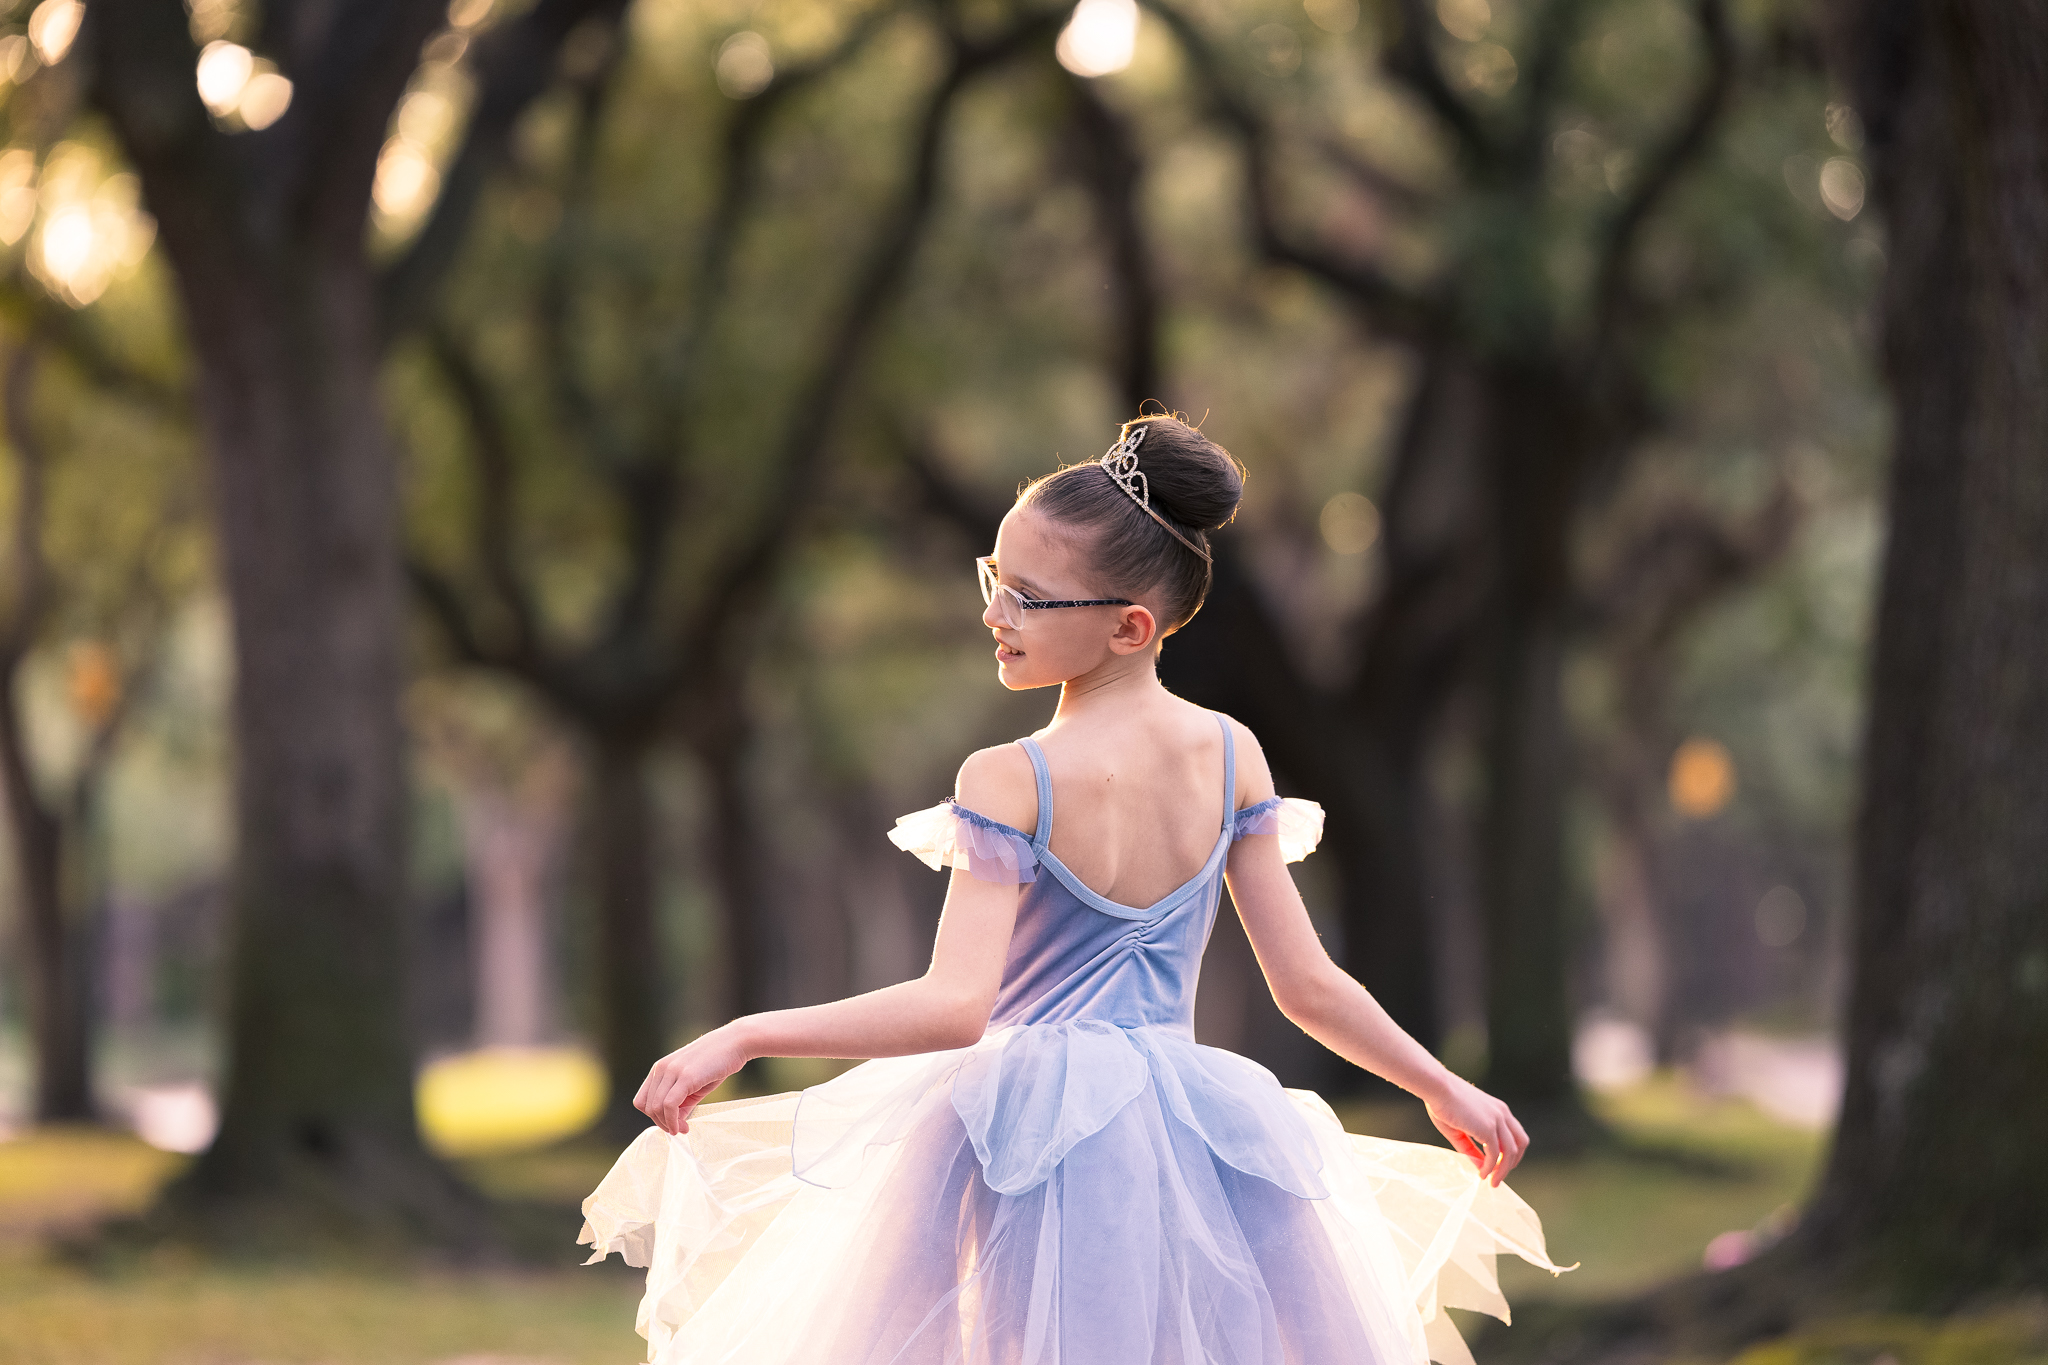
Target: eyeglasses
(1011,605)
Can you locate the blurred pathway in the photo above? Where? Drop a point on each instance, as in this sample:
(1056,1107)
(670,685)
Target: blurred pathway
(1795,1080)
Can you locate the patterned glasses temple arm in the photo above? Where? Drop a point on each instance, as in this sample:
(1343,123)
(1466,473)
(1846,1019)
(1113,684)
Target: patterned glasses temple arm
(1085,602)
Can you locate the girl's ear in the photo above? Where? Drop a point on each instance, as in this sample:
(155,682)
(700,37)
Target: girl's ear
(1136,630)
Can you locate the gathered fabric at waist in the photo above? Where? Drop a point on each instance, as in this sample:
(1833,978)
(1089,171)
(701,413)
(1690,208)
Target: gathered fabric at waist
(1027,1094)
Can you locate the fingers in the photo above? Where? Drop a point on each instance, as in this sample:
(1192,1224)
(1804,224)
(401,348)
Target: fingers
(690,1103)
(1511,1141)
(667,1097)
(655,1095)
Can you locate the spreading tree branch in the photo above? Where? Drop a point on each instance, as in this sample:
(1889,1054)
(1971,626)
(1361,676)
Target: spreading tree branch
(1613,291)
(1373,179)
(1682,559)
(139,58)
(810,423)
(348,66)
(1558,28)
(1410,57)
(739,181)
(445,603)
(490,447)
(1392,307)
(976,517)
(32,584)
(72,332)
(514,64)
(580,410)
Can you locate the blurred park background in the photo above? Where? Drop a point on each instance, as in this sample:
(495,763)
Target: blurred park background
(488,498)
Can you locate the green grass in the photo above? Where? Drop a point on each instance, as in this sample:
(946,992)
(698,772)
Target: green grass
(167,1309)
(1689,1169)
(172,1315)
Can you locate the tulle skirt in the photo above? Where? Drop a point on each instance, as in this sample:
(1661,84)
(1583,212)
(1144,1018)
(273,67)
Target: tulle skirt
(1058,1194)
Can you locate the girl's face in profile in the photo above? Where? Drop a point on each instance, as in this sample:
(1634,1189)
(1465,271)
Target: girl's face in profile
(1045,563)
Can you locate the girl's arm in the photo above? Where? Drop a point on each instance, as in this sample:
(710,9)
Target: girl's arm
(1332,1008)
(947,1007)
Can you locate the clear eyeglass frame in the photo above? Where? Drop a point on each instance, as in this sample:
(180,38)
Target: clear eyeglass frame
(1012,605)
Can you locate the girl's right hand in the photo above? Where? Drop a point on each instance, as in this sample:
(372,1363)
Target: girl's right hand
(1480,1126)
(678,1082)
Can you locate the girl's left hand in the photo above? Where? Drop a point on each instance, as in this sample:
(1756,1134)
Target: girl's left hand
(1481,1127)
(680,1080)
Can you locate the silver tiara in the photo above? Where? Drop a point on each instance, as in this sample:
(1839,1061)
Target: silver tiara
(1120,462)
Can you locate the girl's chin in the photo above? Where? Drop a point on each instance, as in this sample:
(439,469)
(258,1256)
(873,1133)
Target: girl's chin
(1012,673)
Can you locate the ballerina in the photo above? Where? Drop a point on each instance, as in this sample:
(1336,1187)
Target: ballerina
(1039,1165)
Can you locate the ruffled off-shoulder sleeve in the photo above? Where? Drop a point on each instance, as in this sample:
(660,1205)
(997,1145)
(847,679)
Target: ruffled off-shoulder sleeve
(1299,824)
(950,835)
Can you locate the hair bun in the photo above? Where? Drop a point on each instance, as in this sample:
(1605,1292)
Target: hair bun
(1191,480)
(1191,487)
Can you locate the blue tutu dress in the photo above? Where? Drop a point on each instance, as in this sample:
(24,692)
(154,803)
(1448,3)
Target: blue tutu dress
(1087,1185)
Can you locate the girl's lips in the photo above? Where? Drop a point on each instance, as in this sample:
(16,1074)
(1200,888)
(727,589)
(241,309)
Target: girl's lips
(1005,653)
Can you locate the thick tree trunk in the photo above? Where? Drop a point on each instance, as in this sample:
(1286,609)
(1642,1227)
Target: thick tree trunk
(1528,1017)
(1536,449)
(630,1030)
(59,950)
(1936,1188)
(1413,649)
(1231,658)
(59,975)
(1364,752)
(319,1074)
(265,234)
(753,947)
(722,735)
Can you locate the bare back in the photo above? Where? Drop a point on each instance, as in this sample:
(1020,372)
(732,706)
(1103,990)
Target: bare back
(1139,795)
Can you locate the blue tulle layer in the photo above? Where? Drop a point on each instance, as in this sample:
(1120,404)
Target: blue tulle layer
(1058,1194)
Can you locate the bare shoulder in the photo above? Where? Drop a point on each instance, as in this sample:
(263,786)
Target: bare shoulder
(998,782)
(1254,777)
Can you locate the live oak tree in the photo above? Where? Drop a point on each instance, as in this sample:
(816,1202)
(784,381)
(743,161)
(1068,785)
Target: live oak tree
(266,235)
(694,522)
(1933,1195)
(1935,1190)
(100,548)
(1533,388)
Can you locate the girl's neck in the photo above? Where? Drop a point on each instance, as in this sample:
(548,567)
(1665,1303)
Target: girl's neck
(1119,682)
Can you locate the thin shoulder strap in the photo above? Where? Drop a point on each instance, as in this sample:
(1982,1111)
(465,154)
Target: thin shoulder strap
(1229,769)
(1043,834)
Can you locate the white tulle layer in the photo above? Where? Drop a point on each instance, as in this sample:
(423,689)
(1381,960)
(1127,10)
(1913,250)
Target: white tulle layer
(1055,1195)
(1299,824)
(950,835)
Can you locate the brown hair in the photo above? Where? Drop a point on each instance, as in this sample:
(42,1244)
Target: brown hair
(1193,483)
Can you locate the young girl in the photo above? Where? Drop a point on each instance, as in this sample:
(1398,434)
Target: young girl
(1045,1168)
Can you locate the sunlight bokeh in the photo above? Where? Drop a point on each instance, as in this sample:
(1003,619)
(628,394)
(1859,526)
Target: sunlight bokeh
(1101,37)
(93,228)
(1702,779)
(52,27)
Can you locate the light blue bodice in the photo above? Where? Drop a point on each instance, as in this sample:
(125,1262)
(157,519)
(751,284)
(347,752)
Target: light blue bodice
(1079,955)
